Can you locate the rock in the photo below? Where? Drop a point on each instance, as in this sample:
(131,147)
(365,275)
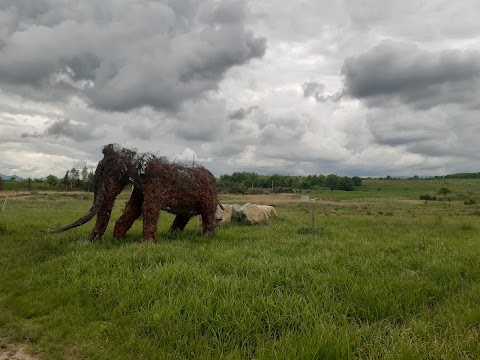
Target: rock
(268,210)
(254,214)
(237,212)
(248,213)
(226,214)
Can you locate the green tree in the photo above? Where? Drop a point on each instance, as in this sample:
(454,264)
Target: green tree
(91,180)
(84,174)
(88,180)
(357,181)
(345,183)
(66,179)
(331,181)
(75,178)
(444,191)
(74,174)
(52,180)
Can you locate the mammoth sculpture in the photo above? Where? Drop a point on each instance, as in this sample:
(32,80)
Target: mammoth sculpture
(121,166)
(182,190)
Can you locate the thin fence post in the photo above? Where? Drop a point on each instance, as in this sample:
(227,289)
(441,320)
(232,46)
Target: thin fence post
(4,203)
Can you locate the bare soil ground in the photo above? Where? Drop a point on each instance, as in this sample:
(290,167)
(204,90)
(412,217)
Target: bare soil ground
(295,198)
(12,351)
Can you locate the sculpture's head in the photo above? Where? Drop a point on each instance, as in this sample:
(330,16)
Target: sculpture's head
(112,175)
(116,167)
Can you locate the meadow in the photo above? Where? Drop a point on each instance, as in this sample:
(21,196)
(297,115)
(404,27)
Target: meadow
(385,275)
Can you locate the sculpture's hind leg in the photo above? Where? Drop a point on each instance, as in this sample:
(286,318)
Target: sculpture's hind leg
(209,223)
(150,213)
(179,223)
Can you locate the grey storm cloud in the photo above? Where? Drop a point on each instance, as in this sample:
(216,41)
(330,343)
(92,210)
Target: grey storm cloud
(312,89)
(125,56)
(207,127)
(242,113)
(403,72)
(434,132)
(317,91)
(139,132)
(66,128)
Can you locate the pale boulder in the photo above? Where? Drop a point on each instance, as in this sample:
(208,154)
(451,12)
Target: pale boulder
(268,210)
(225,215)
(237,212)
(248,213)
(254,214)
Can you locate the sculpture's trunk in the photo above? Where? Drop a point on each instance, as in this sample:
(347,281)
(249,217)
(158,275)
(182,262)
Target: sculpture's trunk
(97,202)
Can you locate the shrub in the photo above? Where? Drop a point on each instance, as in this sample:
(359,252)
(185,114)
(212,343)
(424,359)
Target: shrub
(469,202)
(427,197)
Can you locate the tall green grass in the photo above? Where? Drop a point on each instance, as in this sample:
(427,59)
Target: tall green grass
(382,280)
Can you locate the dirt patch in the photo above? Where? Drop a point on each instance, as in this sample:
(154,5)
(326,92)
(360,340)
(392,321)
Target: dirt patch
(260,199)
(11,351)
(276,199)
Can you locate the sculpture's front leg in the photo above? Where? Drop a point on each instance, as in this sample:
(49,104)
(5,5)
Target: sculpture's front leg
(111,191)
(132,212)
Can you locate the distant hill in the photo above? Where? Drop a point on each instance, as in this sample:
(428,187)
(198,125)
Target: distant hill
(9,177)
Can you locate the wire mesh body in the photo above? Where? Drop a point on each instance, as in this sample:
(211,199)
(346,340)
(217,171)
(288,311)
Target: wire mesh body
(182,190)
(159,185)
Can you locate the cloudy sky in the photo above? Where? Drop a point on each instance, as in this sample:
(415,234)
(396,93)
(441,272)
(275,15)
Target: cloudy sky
(351,87)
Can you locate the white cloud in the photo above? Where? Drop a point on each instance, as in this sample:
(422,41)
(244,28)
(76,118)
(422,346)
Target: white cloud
(243,85)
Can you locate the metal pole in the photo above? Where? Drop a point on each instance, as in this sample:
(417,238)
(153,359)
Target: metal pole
(4,203)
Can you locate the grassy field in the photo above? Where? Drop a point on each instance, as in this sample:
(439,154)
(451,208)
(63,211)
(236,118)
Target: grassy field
(385,276)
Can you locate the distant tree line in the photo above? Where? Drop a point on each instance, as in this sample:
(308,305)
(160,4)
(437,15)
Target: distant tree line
(248,182)
(17,184)
(73,179)
(459,176)
(238,182)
